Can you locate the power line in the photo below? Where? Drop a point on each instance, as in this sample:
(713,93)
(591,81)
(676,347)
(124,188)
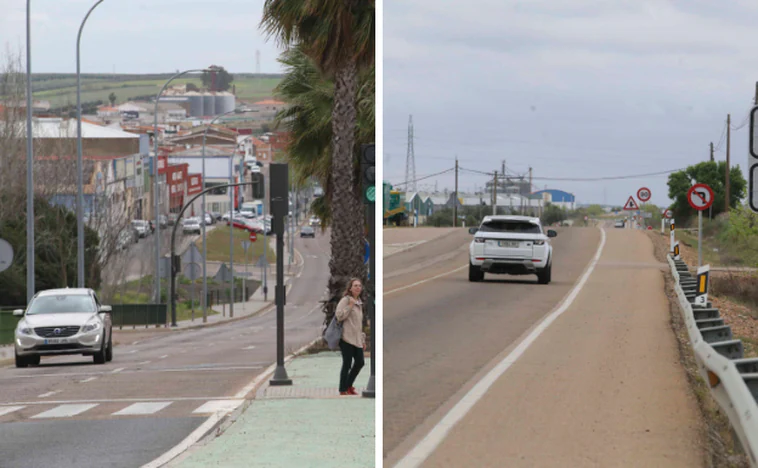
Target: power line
(591,179)
(425,177)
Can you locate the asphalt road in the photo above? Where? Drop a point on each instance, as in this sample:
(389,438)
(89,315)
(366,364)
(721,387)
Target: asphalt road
(68,412)
(441,333)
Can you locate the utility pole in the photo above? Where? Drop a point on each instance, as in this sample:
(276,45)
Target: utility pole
(711,151)
(455,198)
(728,134)
(529,200)
(494,196)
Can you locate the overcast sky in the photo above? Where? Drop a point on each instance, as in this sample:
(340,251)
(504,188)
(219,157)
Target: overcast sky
(572,88)
(138,36)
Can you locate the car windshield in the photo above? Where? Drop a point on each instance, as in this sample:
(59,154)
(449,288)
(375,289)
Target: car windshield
(139,223)
(518,227)
(62,304)
(307,229)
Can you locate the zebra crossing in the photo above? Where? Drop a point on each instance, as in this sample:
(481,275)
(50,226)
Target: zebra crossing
(109,410)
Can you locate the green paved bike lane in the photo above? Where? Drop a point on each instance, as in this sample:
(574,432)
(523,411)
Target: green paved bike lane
(312,428)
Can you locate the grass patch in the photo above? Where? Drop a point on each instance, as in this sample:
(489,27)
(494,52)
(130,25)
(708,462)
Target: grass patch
(750,346)
(140,292)
(218,246)
(709,256)
(741,288)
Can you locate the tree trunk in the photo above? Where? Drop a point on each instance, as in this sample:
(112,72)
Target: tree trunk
(347,211)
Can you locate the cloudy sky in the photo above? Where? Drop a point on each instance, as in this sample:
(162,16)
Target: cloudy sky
(139,36)
(572,88)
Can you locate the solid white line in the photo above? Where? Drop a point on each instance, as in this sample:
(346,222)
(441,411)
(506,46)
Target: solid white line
(186,443)
(143,408)
(438,433)
(45,395)
(90,379)
(115,400)
(249,347)
(9,409)
(424,281)
(64,411)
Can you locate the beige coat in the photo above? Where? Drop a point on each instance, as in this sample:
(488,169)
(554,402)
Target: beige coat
(351,316)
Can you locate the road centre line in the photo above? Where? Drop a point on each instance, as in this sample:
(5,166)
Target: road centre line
(116,371)
(439,432)
(424,281)
(164,356)
(45,395)
(90,379)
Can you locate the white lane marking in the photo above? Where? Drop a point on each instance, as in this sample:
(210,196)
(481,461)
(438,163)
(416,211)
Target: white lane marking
(218,406)
(115,400)
(317,307)
(136,343)
(249,347)
(188,442)
(9,409)
(45,395)
(210,369)
(143,408)
(133,351)
(164,356)
(64,411)
(429,444)
(143,363)
(88,380)
(387,293)
(116,371)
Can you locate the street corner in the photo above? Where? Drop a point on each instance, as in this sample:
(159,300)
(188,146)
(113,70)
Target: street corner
(305,424)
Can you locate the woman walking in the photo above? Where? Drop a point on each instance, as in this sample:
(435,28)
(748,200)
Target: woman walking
(353,343)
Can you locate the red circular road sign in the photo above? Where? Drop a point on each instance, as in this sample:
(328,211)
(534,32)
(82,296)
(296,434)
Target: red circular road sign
(668,214)
(253,237)
(644,194)
(700,197)
(650,228)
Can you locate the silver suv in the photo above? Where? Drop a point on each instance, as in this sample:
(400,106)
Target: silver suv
(64,321)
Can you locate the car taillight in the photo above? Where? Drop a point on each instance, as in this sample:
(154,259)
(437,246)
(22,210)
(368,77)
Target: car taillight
(479,240)
(539,242)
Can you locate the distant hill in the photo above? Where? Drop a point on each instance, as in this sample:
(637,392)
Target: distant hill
(60,88)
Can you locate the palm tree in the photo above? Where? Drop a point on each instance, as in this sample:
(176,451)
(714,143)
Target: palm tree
(338,35)
(308,118)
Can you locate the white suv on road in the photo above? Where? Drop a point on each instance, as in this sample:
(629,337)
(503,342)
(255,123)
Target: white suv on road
(514,245)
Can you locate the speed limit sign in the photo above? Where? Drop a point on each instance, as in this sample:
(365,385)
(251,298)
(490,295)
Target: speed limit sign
(643,194)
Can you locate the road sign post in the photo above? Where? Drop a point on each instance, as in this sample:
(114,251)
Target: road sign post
(703,274)
(279,177)
(700,197)
(245,246)
(672,235)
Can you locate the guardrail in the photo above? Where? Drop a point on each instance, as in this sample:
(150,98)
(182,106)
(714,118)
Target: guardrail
(138,314)
(732,379)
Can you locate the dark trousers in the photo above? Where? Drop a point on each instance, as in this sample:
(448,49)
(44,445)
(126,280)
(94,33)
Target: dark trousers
(351,356)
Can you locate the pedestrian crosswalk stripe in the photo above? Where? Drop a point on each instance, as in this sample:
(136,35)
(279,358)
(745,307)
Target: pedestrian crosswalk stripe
(219,406)
(142,408)
(64,411)
(9,409)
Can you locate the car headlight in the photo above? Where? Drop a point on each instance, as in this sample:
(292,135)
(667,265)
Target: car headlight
(92,325)
(24,329)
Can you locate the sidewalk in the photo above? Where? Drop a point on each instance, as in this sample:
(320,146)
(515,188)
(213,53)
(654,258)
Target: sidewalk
(306,424)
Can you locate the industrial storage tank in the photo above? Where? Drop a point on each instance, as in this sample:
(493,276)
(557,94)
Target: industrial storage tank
(225,102)
(209,104)
(197,108)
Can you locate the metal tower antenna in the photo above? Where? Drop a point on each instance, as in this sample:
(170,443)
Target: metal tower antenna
(257,62)
(410,162)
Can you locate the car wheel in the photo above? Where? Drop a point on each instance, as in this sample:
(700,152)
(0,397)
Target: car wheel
(21,361)
(33,360)
(109,350)
(544,275)
(475,273)
(100,356)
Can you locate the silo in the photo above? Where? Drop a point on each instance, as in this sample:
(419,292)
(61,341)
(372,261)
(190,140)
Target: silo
(208,104)
(224,102)
(196,104)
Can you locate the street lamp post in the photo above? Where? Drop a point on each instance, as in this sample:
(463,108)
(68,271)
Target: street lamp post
(79,168)
(156,187)
(205,248)
(29,162)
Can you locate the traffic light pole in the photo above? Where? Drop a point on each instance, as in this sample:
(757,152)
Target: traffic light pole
(368,161)
(174,266)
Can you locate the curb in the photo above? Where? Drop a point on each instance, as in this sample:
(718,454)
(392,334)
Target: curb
(216,425)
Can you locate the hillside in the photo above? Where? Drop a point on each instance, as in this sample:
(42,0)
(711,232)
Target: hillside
(60,88)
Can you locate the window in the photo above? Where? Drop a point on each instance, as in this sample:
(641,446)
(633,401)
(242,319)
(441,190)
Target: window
(62,304)
(516,227)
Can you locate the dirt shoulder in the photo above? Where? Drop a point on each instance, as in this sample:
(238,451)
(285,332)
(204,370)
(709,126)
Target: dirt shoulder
(721,445)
